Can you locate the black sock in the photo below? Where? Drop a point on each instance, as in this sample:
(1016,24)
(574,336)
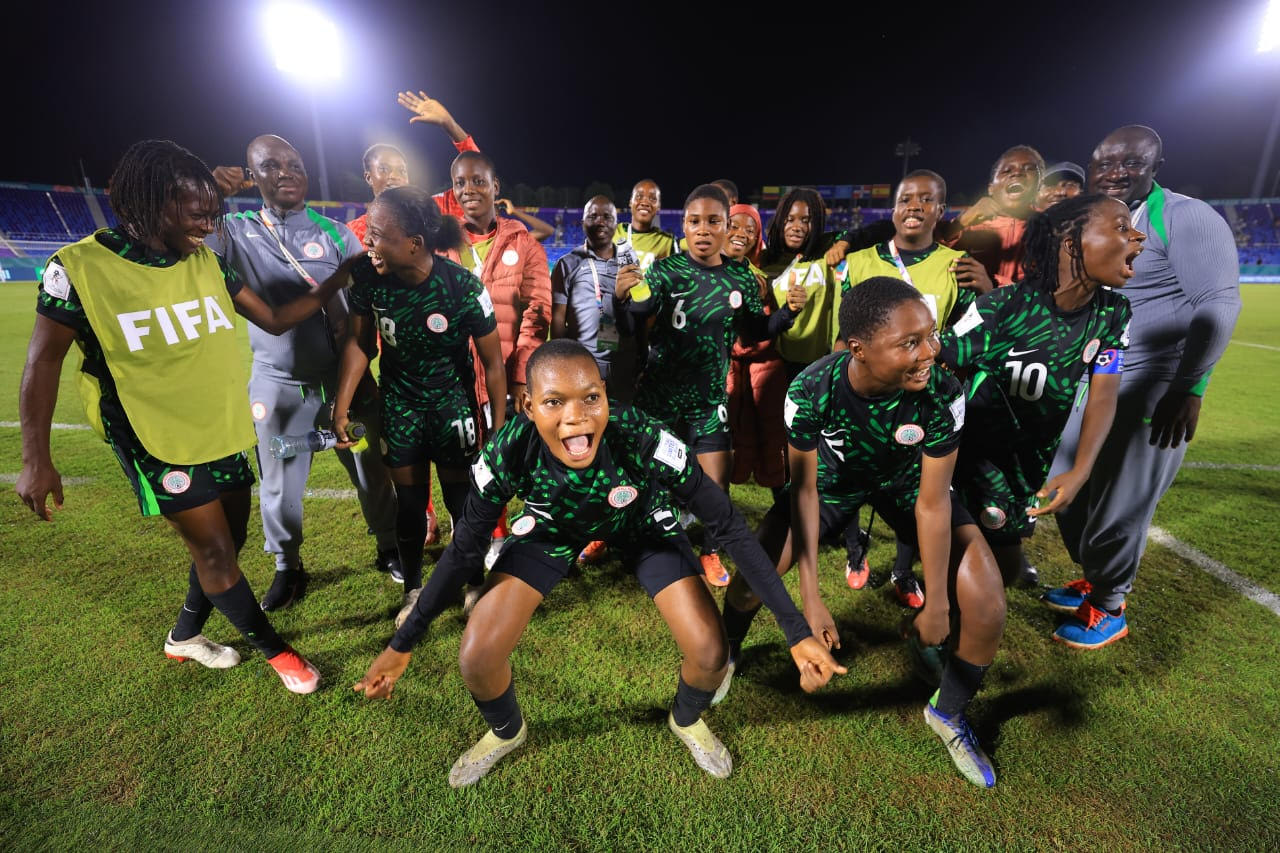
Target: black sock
(455,499)
(503,713)
(411,530)
(736,625)
(960,681)
(905,557)
(243,611)
(689,704)
(195,610)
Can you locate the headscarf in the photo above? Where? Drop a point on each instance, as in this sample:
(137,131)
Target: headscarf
(753,254)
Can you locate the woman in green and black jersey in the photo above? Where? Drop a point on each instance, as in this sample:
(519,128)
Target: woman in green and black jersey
(427,311)
(701,301)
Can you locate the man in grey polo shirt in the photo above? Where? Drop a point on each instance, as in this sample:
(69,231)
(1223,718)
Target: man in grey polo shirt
(281,251)
(582,303)
(1185,294)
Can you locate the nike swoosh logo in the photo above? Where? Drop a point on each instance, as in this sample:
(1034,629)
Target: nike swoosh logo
(533,507)
(1014,353)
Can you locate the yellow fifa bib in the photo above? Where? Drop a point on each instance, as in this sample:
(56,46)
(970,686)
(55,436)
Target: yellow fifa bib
(933,277)
(171,347)
(649,246)
(809,337)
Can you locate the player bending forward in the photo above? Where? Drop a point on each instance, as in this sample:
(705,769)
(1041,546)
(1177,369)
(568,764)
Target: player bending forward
(586,473)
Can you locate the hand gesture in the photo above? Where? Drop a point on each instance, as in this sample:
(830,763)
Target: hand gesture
(985,208)
(836,253)
(628,277)
(231,180)
(505,206)
(815,663)
(972,274)
(35,484)
(1067,485)
(427,109)
(383,674)
(932,625)
(797,295)
(1175,418)
(822,625)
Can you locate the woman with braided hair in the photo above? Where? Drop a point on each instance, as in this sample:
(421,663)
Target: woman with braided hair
(164,384)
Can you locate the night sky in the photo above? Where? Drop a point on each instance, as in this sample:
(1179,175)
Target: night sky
(564,94)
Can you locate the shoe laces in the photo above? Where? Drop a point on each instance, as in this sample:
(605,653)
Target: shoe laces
(964,735)
(1090,615)
(1080,585)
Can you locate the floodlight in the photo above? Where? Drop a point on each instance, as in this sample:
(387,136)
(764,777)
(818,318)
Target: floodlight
(303,41)
(1269,36)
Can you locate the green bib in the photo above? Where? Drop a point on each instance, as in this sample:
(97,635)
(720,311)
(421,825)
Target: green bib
(169,342)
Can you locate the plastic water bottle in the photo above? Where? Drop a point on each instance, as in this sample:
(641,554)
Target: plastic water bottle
(289,446)
(627,256)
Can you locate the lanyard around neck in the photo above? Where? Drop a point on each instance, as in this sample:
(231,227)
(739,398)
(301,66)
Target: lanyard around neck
(293,262)
(897,261)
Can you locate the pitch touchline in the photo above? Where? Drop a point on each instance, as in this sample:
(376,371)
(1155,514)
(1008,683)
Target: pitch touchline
(1256,346)
(18,425)
(1204,562)
(1231,466)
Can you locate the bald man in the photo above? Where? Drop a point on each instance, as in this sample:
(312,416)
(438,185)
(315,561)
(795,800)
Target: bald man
(1185,296)
(582,303)
(280,251)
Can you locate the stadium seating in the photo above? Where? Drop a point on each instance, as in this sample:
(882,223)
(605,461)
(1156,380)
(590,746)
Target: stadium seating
(36,219)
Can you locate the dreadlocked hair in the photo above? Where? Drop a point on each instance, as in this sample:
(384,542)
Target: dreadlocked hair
(149,177)
(417,214)
(867,306)
(1046,234)
(775,241)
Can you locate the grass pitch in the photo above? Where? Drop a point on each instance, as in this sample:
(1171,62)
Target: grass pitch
(1167,738)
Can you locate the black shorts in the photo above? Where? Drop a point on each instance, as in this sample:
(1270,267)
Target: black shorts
(835,516)
(448,431)
(163,488)
(542,565)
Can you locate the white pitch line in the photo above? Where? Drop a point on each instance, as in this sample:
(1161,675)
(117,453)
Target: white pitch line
(1205,563)
(1256,346)
(18,425)
(1231,466)
(66,481)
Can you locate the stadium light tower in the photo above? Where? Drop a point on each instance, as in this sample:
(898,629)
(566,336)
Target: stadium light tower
(1268,42)
(305,45)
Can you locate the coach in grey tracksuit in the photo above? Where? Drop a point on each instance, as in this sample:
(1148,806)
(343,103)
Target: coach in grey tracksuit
(276,251)
(1185,295)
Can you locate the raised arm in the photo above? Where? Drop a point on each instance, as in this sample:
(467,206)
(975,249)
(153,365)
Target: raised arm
(428,110)
(540,229)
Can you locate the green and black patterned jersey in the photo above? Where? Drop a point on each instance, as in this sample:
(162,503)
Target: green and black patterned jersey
(626,496)
(870,445)
(698,312)
(1025,357)
(426,329)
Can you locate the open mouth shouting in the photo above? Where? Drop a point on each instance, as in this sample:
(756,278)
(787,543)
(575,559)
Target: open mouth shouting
(579,447)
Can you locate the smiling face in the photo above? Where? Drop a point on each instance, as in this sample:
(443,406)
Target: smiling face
(796,227)
(706,226)
(390,249)
(1109,244)
(475,187)
(1124,165)
(387,169)
(1015,182)
(599,219)
(278,171)
(899,354)
(1059,188)
(567,403)
(917,209)
(187,221)
(646,201)
(742,236)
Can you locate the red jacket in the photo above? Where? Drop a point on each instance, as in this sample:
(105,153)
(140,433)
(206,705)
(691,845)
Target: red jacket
(997,245)
(518,279)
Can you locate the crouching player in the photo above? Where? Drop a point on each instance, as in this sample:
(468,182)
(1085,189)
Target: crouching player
(880,424)
(587,473)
